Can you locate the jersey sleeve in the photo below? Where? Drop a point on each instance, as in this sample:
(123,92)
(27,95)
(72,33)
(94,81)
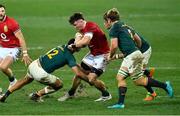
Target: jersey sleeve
(14,26)
(113,33)
(71,61)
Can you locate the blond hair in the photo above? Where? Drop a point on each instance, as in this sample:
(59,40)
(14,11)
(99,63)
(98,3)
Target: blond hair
(112,14)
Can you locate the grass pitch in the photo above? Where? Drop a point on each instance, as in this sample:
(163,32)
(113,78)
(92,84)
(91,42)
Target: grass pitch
(45,25)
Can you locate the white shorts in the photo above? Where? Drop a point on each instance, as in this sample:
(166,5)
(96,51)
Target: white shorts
(36,72)
(147,56)
(12,52)
(133,63)
(98,62)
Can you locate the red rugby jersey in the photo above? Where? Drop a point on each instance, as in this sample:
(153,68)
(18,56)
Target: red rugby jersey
(7,29)
(99,43)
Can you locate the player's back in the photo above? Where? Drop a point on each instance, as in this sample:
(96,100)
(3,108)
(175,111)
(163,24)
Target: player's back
(57,58)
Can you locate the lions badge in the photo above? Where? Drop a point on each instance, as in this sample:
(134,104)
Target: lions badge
(5,28)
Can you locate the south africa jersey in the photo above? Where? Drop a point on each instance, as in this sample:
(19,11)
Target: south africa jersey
(56,58)
(144,45)
(125,42)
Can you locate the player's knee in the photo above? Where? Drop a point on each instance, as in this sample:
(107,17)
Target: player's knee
(78,75)
(140,81)
(57,87)
(92,81)
(3,68)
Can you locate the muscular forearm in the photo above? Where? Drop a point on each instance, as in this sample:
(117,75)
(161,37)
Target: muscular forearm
(112,52)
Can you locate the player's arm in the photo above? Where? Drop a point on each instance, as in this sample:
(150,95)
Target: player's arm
(85,40)
(137,40)
(27,60)
(78,37)
(113,47)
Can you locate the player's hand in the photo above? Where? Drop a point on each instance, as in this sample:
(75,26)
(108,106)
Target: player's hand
(72,46)
(26,59)
(107,57)
(117,56)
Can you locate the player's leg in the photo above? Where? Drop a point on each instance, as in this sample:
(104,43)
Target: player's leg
(128,67)
(4,67)
(19,84)
(155,83)
(7,57)
(151,94)
(122,88)
(150,82)
(40,75)
(99,85)
(97,65)
(77,81)
(149,72)
(70,94)
(147,55)
(54,84)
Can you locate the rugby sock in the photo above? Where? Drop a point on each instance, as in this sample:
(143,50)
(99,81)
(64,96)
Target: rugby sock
(146,72)
(72,91)
(155,83)
(149,88)
(105,93)
(5,96)
(11,78)
(122,93)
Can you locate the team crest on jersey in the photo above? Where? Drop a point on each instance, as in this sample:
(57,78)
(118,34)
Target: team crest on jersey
(5,28)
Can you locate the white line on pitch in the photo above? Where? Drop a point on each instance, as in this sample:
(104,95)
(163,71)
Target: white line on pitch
(175,96)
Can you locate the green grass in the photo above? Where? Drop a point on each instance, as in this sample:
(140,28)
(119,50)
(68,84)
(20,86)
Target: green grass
(45,24)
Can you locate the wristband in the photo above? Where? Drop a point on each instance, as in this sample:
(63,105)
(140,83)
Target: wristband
(24,52)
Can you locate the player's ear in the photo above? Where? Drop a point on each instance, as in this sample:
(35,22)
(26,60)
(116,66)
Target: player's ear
(109,21)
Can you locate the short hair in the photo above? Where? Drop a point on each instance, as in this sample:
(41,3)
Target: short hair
(75,17)
(112,14)
(105,16)
(2,6)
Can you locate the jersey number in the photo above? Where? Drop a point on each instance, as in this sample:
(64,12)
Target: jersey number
(52,53)
(129,31)
(4,37)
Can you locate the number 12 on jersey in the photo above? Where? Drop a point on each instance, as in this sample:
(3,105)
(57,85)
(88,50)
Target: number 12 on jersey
(52,53)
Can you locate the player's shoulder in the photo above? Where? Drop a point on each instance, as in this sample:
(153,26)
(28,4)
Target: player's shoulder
(11,20)
(90,26)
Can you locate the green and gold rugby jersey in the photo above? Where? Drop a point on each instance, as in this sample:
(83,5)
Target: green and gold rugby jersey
(145,45)
(56,58)
(125,39)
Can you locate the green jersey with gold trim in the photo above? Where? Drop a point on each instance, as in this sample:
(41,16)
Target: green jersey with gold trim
(144,44)
(57,58)
(125,40)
